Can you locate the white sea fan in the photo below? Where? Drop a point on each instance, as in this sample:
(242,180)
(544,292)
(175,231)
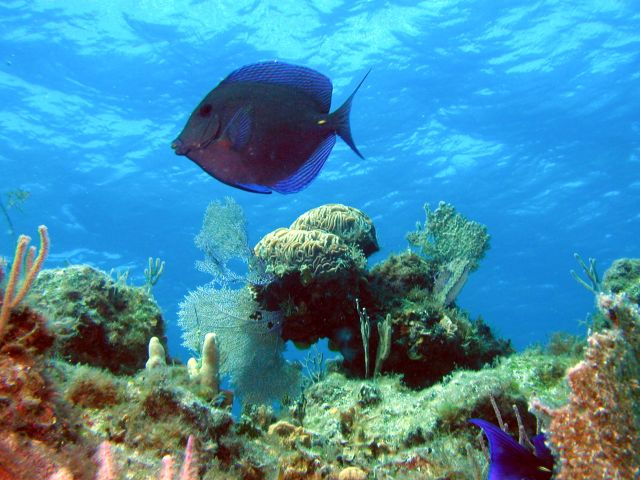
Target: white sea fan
(223,239)
(251,348)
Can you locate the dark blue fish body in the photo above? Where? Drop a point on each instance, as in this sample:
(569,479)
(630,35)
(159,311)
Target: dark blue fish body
(510,460)
(266,127)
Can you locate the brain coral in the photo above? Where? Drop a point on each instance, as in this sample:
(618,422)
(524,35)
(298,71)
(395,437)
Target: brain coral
(348,223)
(312,253)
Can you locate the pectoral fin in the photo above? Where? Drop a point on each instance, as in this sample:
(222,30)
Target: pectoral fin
(238,130)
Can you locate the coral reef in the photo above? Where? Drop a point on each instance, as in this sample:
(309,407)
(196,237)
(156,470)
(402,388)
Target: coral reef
(223,240)
(207,373)
(107,469)
(447,236)
(409,297)
(151,413)
(98,321)
(319,272)
(15,292)
(157,354)
(247,334)
(248,337)
(428,340)
(78,416)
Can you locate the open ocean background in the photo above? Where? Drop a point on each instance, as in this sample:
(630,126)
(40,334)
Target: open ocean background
(524,115)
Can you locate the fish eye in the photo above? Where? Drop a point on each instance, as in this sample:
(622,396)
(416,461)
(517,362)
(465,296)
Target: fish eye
(205,110)
(269,325)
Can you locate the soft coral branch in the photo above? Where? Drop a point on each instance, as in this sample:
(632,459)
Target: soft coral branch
(14,293)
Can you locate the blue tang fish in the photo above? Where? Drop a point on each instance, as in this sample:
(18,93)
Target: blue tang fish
(510,460)
(266,127)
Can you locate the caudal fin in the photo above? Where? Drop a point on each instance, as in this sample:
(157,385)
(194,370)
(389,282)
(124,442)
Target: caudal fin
(340,118)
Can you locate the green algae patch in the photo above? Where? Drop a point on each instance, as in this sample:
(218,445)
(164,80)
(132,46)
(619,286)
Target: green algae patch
(96,320)
(624,276)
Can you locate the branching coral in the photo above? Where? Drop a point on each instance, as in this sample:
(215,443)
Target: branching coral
(447,236)
(597,434)
(456,246)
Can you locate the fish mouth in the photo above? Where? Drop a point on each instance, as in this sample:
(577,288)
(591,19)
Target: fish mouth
(180,147)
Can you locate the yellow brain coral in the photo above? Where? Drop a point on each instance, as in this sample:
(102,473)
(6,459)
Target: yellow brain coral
(348,223)
(312,253)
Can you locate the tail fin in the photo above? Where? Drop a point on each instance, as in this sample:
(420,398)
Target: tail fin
(340,118)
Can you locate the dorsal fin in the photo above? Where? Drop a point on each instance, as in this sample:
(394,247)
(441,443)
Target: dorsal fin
(309,81)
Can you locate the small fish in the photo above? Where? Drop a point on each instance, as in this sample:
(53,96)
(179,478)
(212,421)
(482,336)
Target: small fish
(510,460)
(266,127)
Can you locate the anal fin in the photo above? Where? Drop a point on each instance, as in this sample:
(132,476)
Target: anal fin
(309,170)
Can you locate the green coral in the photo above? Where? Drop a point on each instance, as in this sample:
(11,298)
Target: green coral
(448,236)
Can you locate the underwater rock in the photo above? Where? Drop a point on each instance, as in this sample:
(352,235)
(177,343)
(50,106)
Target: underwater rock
(153,412)
(97,321)
(290,434)
(255,420)
(34,419)
(352,473)
(623,276)
(369,395)
(318,276)
(425,432)
(400,276)
(27,399)
(604,398)
(428,340)
(429,344)
(353,226)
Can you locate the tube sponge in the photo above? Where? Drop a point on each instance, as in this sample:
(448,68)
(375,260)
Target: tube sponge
(157,355)
(208,374)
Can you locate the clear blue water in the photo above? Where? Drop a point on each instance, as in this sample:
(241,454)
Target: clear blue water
(524,115)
